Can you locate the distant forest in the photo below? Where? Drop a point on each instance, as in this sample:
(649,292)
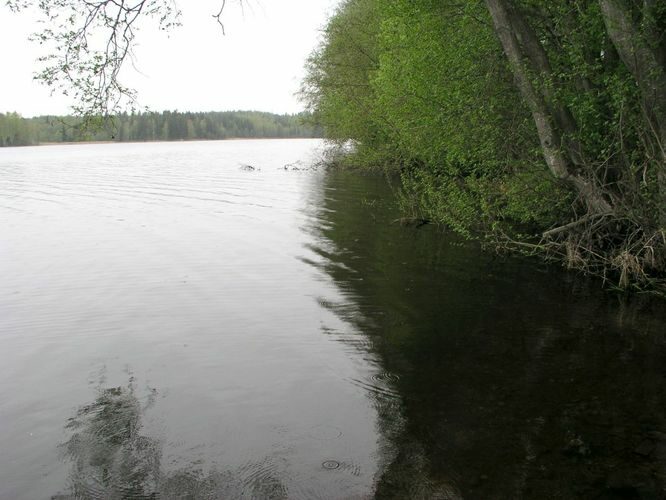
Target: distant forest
(166,126)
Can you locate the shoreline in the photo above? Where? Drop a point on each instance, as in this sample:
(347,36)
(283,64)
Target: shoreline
(77,143)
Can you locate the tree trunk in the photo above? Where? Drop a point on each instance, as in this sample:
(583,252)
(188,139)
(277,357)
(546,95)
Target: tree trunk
(643,54)
(642,59)
(526,56)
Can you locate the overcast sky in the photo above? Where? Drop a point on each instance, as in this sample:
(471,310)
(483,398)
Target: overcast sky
(257,65)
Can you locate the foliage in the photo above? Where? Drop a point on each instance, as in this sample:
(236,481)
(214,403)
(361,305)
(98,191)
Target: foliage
(519,122)
(337,88)
(420,101)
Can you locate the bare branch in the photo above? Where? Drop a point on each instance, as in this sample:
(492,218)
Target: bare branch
(218,16)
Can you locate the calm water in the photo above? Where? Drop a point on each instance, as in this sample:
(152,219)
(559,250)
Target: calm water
(173,323)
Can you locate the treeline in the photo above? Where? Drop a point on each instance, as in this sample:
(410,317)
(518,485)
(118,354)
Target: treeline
(16,131)
(165,126)
(533,125)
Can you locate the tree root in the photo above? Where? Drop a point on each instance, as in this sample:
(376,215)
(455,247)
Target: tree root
(620,250)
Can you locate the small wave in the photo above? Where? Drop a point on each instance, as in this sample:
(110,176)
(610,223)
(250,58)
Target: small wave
(376,389)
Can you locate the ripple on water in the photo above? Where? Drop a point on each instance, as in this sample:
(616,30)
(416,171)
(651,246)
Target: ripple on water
(386,377)
(376,389)
(349,467)
(263,479)
(324,432)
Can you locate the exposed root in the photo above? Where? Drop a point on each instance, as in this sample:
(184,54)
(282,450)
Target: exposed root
(617,249)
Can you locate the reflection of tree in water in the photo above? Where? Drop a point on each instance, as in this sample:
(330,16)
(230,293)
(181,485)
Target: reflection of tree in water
(112,459)
(495,381)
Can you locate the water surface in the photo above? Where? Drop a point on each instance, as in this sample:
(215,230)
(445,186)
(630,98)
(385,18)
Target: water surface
(172,322)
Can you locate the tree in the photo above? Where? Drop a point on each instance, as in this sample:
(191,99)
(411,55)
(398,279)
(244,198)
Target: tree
(554,122)
(604,179)
(638,36)
(530,124)
(15,131)
(337,89)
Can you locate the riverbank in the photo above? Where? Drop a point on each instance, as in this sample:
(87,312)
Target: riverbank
(509,124)
(422,201)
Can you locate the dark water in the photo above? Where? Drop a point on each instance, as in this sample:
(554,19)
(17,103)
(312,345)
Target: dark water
(174,325)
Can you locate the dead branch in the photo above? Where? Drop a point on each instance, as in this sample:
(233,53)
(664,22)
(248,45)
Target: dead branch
(571,225)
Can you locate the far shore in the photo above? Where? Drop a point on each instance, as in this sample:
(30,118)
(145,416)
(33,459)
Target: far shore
(74,143)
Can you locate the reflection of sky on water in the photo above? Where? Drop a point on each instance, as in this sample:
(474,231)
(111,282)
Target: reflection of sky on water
(171,259)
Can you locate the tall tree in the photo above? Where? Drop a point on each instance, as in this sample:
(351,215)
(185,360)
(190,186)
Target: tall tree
(554,122)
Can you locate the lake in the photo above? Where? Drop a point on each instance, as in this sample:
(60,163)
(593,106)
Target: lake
(223,320)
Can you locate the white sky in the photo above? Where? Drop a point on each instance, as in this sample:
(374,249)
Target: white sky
(257,65)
